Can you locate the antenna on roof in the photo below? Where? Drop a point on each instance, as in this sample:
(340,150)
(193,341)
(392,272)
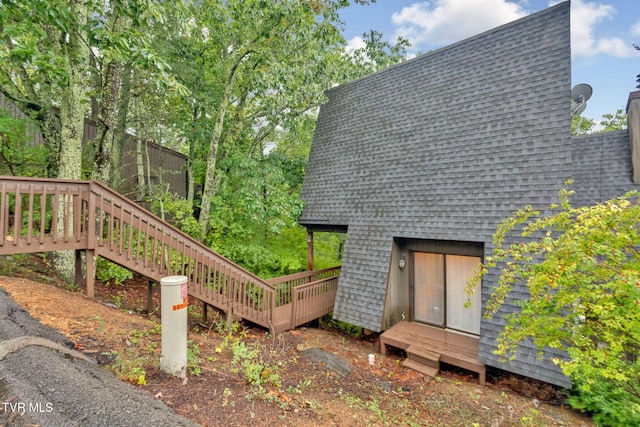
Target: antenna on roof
(580,94)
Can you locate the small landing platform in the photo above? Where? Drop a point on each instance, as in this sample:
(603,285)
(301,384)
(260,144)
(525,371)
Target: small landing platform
(428,346)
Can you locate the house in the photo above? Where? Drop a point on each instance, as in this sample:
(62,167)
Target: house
(420,162)
(162,164)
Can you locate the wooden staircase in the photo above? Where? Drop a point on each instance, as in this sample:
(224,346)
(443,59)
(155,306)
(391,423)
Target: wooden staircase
(44,215)
(422,360)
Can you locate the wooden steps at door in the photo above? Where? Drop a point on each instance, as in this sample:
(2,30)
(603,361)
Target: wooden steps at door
(422,360)
(454,348)
(416,366)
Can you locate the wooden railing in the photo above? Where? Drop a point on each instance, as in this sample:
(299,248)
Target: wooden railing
(305,296)
(39,215)
(285,284)
(313,300)
(36,216)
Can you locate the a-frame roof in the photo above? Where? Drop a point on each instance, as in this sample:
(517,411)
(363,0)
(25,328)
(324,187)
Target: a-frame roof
(441,147)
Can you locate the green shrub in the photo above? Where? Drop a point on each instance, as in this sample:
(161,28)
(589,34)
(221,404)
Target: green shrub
(610,402)
(111,273)
(582,269)
(344,327)
(256,371)
(179,212)
(16,156)
(193,358)
(129,366)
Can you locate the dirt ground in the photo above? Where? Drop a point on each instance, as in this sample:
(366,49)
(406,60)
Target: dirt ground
(245,376)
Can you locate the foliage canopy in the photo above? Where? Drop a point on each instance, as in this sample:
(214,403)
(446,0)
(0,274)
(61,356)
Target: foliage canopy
(582,270)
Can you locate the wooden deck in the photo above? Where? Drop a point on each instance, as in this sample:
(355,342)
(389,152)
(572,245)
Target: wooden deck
(45,215)
(426,346)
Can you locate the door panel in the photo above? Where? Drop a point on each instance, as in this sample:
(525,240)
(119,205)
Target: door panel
(458,271)
(428,288)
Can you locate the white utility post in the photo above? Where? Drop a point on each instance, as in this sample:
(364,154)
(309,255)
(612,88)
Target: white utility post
(174,301)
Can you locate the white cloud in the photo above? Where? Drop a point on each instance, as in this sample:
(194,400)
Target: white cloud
(585,18)
(354,44)
(357,42)
(435,23)
(442,22)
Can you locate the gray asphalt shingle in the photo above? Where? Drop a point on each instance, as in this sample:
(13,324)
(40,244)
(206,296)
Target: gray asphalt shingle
(445,146)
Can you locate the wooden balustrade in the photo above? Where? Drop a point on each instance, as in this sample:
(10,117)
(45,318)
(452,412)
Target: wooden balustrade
(285,284)
(44,215)
(133,237)
(313,300)
(36,216)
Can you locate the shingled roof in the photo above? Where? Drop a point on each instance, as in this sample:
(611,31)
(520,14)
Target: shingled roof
(443,147)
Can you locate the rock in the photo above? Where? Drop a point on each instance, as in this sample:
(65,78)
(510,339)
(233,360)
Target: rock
(328,359)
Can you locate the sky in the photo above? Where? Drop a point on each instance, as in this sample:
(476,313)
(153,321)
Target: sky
(603,33)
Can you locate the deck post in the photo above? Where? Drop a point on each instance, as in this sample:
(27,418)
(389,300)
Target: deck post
(90,253)
(310,250)
(149,297)
(78,269)
(90,273)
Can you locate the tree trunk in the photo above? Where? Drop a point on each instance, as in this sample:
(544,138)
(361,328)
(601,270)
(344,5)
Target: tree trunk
(191,184)
(50,128)
(72,115)
(121,127)
(150,183)
(111,81)
(141,187)
(106,124)
(210,180)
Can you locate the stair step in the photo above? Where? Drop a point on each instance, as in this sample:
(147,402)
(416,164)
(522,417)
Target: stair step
(423,356)
(427,370)
(423,352)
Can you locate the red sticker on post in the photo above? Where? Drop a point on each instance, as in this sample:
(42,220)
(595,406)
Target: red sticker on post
(184,291)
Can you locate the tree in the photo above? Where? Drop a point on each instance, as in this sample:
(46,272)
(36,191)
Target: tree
(582,270)
(582,125)
(259,65)
(49,49)
(254,72)
(16,157)
(611,122)
(43,69)
(254,68)
(376,54)
(122,40)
